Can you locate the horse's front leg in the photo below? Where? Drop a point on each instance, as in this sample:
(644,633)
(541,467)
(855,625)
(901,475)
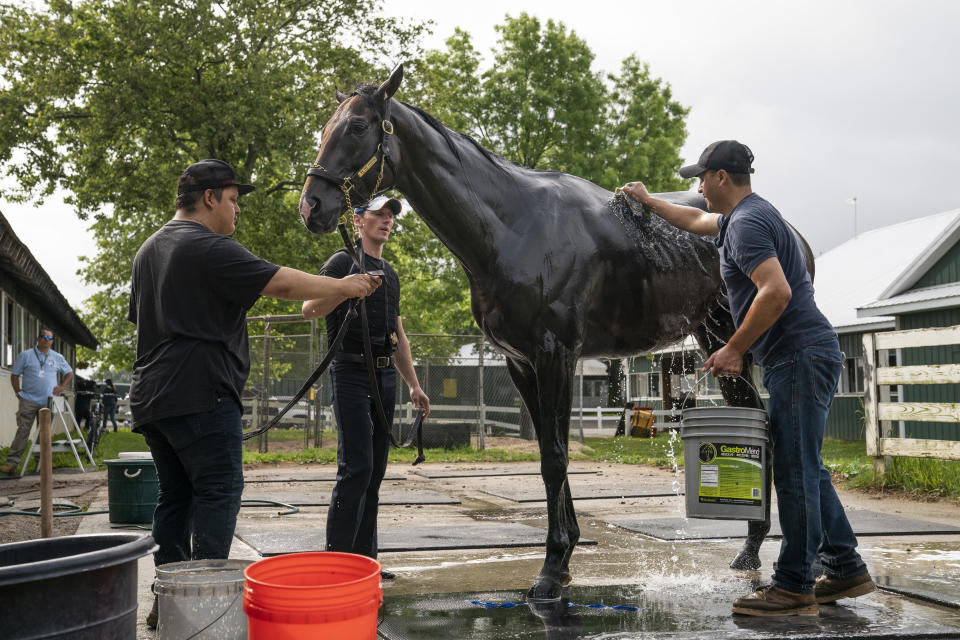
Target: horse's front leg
(554,373)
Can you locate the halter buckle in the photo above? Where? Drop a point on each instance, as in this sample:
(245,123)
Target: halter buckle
(387,127)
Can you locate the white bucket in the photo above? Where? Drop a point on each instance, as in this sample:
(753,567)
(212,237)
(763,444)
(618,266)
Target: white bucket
(725,462)
(201,599)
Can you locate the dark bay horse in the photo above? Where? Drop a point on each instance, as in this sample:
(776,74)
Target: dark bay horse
(558,270)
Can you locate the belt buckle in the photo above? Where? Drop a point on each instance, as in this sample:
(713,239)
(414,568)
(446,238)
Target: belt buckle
(383,361)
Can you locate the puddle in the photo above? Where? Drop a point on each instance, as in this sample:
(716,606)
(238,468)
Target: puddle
(681,607)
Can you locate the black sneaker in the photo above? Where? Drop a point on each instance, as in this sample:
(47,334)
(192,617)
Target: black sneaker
(772,601)
(387,575)
(828,589)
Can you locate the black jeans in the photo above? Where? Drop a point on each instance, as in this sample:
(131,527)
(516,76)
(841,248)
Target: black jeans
(199,460)
(362,448)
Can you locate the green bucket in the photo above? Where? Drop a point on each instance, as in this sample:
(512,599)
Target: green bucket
(132,487)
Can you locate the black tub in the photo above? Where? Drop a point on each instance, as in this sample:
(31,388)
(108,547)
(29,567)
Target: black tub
(74,587)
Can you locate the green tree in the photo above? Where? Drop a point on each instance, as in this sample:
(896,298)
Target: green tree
(645,129)
(542,105)
(444,83)
(110,100)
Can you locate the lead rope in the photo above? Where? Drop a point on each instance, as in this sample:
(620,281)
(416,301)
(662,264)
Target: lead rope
(331,352)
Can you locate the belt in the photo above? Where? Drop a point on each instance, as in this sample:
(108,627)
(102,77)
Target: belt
(380,362)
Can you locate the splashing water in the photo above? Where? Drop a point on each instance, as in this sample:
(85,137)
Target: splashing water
(676,485)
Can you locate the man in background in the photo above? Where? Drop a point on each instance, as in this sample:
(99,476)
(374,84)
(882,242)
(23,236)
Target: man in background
(39,367)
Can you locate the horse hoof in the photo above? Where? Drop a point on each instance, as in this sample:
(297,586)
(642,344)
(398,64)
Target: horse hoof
(746,560)
(544,589)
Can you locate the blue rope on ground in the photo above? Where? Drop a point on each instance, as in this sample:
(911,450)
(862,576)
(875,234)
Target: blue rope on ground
(511,605)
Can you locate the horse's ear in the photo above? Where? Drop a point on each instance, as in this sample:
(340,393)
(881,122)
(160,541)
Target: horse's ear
(340,96)
(389,87)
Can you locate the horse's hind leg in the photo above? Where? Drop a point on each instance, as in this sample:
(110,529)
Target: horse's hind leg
(738,392)
(546,390)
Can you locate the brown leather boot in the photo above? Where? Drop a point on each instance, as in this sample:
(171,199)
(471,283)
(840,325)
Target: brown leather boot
(772,601)
(828,589)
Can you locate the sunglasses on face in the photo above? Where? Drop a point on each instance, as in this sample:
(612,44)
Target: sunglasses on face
(46,337)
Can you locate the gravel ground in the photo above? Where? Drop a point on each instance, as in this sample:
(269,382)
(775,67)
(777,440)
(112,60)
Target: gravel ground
(24,494)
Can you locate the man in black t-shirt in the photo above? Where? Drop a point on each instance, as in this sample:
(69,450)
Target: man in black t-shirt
(192,286)
(362,443)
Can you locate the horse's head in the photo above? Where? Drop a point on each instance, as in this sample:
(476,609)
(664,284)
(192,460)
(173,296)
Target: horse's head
(354,162)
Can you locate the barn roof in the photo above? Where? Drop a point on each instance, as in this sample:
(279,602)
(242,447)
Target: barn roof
(35,288)
(863,270)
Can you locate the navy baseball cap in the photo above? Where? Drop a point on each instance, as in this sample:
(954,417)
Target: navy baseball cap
(729,155)
(210,174)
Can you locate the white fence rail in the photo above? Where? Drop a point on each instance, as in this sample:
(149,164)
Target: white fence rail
(878,443)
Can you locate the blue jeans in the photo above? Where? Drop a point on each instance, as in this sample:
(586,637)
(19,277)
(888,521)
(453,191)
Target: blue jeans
(199,460)
(362,448)
(110,413)
(801,388)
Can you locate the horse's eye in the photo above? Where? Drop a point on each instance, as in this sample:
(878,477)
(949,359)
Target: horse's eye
(358,126)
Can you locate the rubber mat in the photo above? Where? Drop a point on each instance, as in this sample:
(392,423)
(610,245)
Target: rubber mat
(321,497)
(306,476)
(864,523)
(423,538)
(942,590)
(538,494)
(487,473)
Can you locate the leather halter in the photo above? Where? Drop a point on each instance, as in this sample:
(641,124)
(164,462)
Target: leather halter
(381,157)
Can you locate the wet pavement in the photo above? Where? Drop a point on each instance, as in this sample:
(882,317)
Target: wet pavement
(635,611)
(639,586)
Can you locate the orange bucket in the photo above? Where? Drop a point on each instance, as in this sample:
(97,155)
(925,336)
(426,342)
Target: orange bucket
(320,594)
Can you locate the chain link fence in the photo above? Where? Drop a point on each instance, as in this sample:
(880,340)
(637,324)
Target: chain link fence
(472,397)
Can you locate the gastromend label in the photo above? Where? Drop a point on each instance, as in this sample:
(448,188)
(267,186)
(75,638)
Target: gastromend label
(731,473)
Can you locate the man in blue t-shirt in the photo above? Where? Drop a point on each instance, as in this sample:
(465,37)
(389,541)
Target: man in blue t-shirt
(777,320)
(39,368)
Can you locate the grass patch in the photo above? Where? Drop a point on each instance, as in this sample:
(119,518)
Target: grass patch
(846,459)
(303,456)
(463,454)
(110,445)
(916,476)
(662,450)
(290,434)
(325,456)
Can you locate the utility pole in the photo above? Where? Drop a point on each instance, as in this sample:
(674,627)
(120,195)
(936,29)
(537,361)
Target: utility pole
(853,201)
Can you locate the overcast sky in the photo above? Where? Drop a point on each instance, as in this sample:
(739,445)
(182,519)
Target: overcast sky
(836,99)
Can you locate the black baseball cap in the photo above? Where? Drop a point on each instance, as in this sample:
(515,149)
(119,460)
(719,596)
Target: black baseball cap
(729,155)
(210,174)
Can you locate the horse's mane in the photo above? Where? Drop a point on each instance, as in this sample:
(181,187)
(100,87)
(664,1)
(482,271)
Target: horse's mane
(367,91)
